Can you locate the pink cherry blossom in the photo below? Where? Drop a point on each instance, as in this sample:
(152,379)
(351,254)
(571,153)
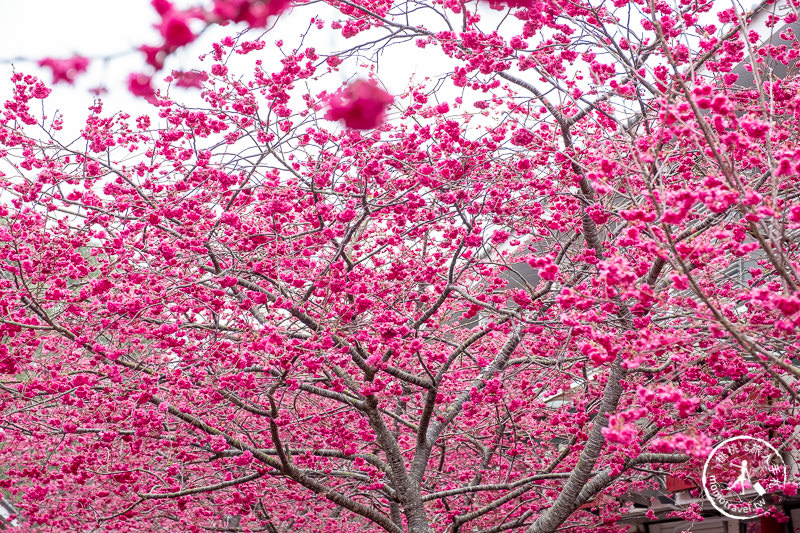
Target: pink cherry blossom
(189,79)
(255,13)
(66,70)
(141,85)
(361,105)
(174,28)
(559,273)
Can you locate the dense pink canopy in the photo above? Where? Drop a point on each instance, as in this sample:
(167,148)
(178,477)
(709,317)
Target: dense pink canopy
(508,298)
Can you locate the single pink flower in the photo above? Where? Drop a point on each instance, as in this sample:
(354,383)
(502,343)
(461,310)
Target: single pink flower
(154,55)
(361,105)
(518,4)
(253,12)
(140,85)
(175,30)
(65,70)
(189,79)
(161,6)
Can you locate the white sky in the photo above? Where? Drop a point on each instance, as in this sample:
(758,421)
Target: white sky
(33,29)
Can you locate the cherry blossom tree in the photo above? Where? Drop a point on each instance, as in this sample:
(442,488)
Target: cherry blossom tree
(503,299)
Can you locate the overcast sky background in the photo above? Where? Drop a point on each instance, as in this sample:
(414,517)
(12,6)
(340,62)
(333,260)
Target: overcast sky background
(31,30)
(34,29)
